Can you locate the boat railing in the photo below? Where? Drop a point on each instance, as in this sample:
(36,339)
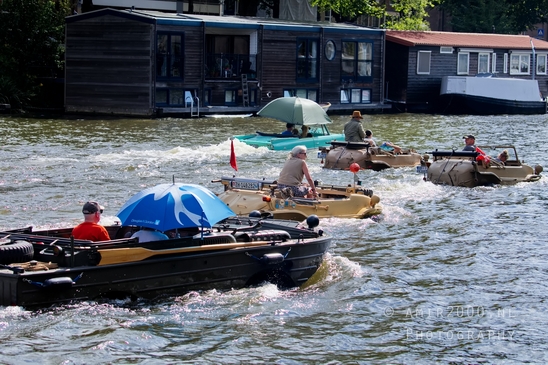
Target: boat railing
(194,103)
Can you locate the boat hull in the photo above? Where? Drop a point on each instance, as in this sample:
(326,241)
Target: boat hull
(479,105)
(278,142)
(490,96)
(343,154)
(461,168)
(245,196)
(162,268)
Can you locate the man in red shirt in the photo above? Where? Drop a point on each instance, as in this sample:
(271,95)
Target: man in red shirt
(89,229)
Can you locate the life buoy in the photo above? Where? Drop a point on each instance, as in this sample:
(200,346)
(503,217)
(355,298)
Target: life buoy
(268,94)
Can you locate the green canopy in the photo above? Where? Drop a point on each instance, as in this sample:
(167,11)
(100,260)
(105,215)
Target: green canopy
(295,110)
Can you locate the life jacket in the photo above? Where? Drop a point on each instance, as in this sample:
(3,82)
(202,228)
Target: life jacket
(483,158)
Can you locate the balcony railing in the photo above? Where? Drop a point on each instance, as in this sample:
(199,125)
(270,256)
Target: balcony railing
(226,65)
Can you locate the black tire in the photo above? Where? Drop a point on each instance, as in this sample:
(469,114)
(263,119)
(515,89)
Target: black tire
(19,251)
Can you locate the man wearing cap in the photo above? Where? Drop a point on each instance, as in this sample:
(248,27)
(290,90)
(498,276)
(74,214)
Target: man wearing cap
(353,129)
(89,229)
(470,141)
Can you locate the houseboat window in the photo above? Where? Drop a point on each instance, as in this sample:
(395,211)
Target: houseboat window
(505,64)
(463,65)
(230,97)
(541,64)
(483,62)
(494,63)
(355,96)
(206,99)
(307,59)
(423,62)
(228,56)
(330,50)
(519,64)
(311,94)
(446,49)
(161,96)
(357,61)
(253,97)
(169,56)
(176,97)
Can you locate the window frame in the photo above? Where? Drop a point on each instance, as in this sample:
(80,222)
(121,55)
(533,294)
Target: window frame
(330,50)
(419,58)
(467,54)
(309,62)
(539,56)
(234,98)
(493,63)
(347,95)
(169,60)
(483,62)
(304,93)
(505,65)
(355,76)
(520,62)
(169,91)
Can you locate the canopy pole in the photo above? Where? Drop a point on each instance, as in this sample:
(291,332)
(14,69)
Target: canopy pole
(202,233)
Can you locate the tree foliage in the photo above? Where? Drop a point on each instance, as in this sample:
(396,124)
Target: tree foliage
(351,9)
(495,16)
(409,14)
(527,13)
(412,15)
(32,38)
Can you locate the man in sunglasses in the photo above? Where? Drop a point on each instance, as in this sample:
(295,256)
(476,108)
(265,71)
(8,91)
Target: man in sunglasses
(89,229)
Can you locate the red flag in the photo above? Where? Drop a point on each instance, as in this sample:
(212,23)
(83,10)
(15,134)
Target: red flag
(233,156)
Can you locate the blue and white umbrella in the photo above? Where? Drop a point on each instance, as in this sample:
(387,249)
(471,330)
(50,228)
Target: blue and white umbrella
(171,206)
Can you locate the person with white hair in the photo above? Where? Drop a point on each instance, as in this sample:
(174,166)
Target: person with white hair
(293,172)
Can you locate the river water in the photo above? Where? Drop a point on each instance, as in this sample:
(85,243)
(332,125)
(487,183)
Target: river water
(447,275)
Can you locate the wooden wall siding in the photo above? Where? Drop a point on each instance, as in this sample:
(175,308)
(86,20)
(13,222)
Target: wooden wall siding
(331,72)
(279,65)
(426,88)
(279,61)
(193,41)
(108,66)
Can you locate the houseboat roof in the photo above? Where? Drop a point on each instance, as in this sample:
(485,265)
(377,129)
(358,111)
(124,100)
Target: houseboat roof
(471,40)
(225,21)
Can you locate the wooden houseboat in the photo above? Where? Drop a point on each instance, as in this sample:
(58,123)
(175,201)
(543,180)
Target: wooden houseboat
(417,61)
(150,63)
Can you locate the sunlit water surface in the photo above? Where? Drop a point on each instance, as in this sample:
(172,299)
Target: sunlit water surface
(448,275)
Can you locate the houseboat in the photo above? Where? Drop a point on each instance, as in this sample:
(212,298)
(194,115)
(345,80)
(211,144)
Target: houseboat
(419,60)
(152,63)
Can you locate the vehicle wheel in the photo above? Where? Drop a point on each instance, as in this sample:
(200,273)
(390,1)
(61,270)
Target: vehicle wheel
(19,251)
